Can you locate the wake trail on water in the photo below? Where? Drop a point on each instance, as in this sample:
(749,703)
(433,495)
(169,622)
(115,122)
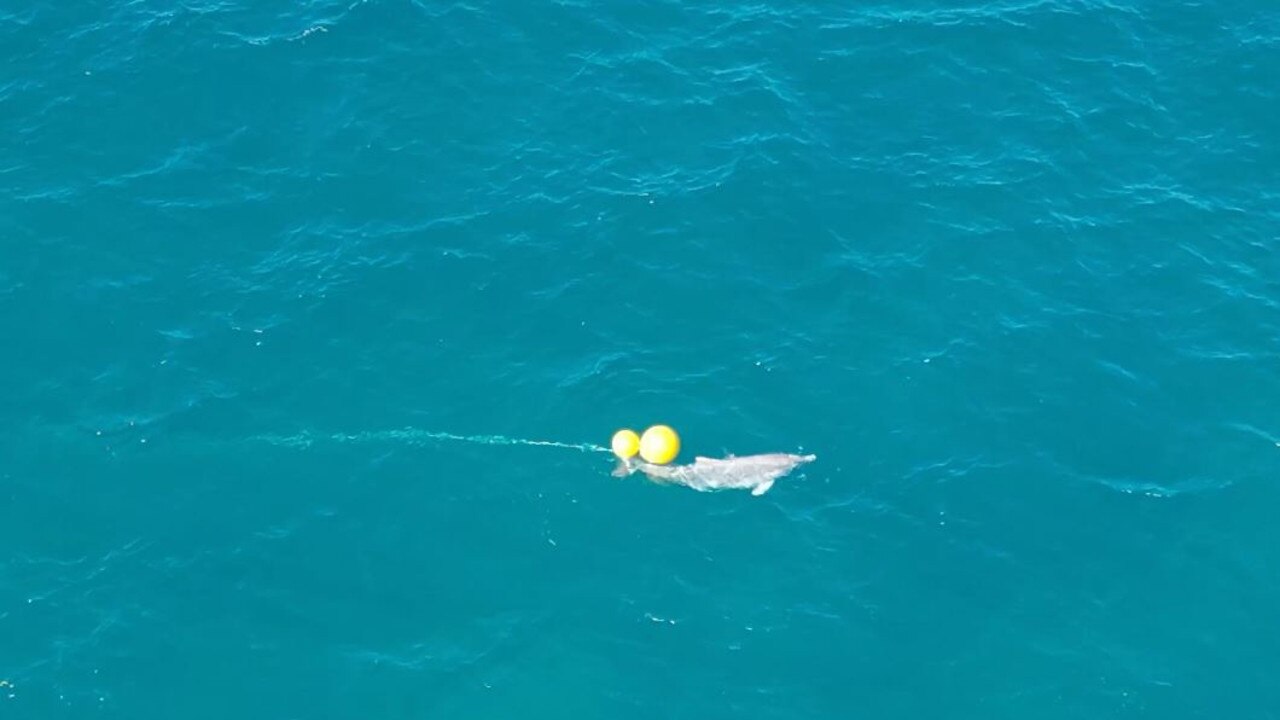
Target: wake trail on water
(416,437)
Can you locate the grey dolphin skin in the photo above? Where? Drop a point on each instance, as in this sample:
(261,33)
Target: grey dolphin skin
(752,472)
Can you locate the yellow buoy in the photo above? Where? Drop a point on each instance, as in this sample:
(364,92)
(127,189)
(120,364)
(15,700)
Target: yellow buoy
(659,445)
(626,443)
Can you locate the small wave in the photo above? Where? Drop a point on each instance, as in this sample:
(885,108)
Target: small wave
(1153,489)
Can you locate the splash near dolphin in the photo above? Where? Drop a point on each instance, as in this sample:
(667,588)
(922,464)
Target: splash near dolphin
(659,446)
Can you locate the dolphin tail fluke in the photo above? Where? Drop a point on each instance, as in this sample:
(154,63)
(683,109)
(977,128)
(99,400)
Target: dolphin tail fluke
(622,469)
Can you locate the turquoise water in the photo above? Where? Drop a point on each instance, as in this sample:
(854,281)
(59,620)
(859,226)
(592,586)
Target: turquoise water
(288,289)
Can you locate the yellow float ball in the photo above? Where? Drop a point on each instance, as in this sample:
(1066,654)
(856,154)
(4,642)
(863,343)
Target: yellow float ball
(659,445)
(626,443)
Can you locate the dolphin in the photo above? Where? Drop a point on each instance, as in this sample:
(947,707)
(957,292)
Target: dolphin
(750,472)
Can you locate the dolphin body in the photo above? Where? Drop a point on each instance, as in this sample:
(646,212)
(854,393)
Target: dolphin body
(751,472)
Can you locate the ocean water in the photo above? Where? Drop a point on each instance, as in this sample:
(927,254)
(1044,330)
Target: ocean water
(315,316)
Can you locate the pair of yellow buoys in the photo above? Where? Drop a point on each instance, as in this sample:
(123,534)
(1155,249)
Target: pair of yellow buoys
(659,444)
